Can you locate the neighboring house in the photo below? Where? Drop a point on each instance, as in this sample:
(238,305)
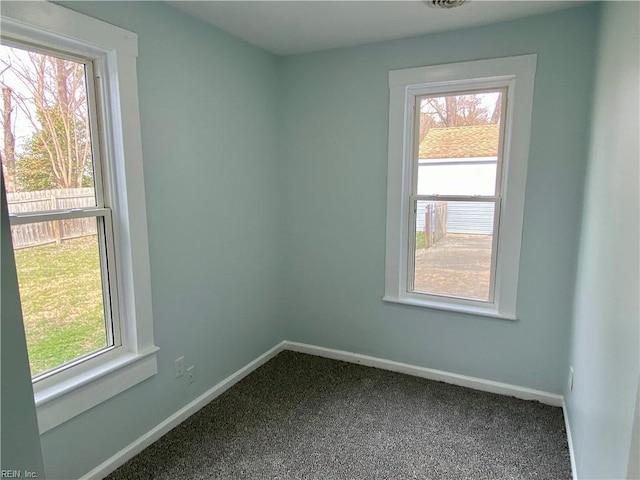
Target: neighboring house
(459,161)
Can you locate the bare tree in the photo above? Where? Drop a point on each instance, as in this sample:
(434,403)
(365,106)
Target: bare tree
(52,96)
(458,111)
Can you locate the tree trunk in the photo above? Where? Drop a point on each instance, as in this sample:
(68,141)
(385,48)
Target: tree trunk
(452,110)
(9,141)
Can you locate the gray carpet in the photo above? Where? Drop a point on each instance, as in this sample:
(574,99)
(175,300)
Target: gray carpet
(305,417)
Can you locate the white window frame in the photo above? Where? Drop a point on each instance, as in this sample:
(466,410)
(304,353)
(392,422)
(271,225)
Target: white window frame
(517,75)
(113,51)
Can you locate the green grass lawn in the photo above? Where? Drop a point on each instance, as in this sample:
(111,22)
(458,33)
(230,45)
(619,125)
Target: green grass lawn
(62,306)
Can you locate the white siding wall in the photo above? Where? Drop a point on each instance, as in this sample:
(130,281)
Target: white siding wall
(462,217)
(457,176)
(454,176)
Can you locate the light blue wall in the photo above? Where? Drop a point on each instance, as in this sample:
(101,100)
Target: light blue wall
(333,183)
(208,113)
(20,445)
(604,350)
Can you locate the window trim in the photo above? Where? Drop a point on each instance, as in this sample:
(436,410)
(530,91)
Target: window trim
(114,50)
(404,86)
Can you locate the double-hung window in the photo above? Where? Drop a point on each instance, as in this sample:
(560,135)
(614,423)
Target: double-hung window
(458,149)
(60,215)
(72,169)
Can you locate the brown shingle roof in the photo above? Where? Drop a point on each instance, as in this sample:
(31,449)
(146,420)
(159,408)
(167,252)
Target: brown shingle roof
(461,142)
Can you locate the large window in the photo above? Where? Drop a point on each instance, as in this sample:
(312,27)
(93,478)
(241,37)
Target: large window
(61,222)
(72,167)
(458,147)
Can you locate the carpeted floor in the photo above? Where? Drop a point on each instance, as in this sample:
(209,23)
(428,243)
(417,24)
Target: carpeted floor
(305,417)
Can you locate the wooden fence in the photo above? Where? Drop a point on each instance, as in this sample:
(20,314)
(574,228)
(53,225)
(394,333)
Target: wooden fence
(41,233)
(435,222)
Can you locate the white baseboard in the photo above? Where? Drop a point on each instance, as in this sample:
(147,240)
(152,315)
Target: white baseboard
(567,427)
(130,451)
(109,465)
(431,374)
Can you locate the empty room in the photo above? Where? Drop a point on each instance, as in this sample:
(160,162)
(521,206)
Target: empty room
(320,239)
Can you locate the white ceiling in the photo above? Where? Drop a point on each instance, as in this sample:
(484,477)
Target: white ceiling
(287,27)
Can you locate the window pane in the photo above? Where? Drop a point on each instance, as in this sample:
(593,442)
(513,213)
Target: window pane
(454,243)
(459,137)
(59,276)
(46,148)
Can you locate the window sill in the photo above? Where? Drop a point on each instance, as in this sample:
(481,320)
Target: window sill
(64,400)
(451,307)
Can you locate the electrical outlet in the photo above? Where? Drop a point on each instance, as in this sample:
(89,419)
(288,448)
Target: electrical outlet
(191,373)
(179,367)
(571,379)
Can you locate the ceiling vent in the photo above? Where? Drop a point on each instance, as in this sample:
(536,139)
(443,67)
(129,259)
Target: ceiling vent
(445,4)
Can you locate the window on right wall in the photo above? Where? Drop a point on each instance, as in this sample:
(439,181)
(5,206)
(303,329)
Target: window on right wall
(458,149)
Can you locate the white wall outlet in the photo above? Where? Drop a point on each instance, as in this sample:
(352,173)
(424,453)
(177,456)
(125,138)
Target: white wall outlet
(179,367)
(571,379)
(191,373)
